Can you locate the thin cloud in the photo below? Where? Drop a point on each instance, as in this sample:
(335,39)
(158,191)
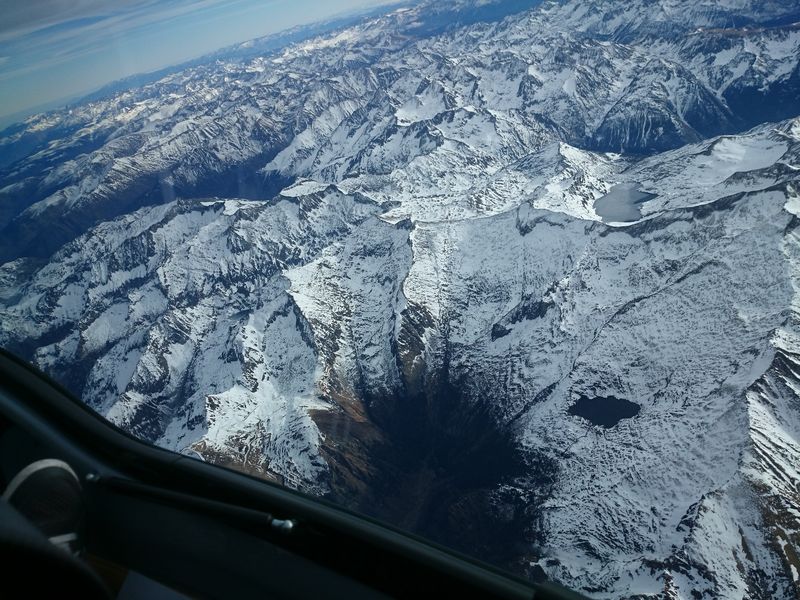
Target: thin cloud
(22,18)
(54,16)
(39,43)
(57,48)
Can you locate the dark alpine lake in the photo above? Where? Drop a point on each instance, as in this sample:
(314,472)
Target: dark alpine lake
(622,203)
(606,412)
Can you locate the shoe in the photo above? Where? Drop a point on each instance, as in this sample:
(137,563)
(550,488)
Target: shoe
(48,493)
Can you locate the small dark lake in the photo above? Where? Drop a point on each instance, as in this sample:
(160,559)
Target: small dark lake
(622,203)
(604,411)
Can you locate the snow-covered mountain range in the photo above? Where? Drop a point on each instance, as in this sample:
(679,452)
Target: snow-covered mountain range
(526,284)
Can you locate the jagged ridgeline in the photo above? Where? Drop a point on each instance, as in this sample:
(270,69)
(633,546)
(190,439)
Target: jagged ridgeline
(520,277)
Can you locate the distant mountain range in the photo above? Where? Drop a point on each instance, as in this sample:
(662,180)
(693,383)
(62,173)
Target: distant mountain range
(519,277)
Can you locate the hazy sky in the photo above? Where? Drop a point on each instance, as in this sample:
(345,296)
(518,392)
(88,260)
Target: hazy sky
(55,49)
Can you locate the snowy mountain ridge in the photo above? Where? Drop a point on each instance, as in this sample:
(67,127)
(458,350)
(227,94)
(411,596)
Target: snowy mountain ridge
(526,286)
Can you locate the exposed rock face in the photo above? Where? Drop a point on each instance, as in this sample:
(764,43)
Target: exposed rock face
(370,266)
